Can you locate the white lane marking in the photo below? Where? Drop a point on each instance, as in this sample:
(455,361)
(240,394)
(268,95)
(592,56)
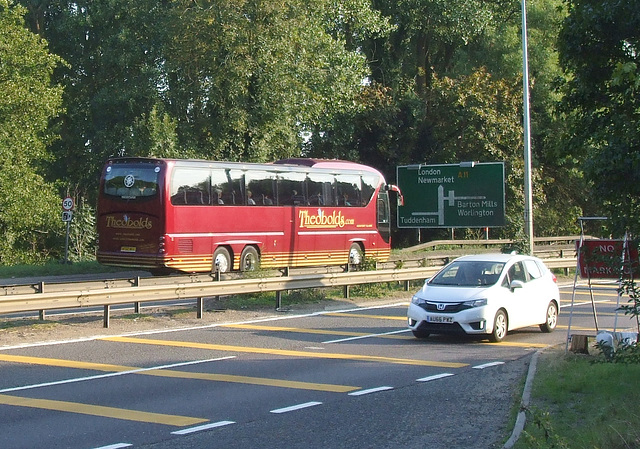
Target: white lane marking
(202,427)
(435,377)
(296,407)
(487,365)
(360,337)
(315,348)
(207,326)
(119,373)
(115,446)
(369,391)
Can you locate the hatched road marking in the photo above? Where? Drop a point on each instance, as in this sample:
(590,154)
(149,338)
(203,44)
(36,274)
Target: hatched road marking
(160,372)
(314,331)
(284,352)
(99,410)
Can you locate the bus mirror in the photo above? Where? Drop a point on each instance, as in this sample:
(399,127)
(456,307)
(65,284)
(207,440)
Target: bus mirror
(395,188)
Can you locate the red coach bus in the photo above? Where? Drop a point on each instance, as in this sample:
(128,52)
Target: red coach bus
(195,216)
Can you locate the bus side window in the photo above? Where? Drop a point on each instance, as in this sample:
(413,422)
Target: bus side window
(349,193)
(369,184)
(179,197)
(190,186)
(319,187)
(262,187)
(291,189)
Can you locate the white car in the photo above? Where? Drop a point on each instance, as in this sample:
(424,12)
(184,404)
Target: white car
(487,294)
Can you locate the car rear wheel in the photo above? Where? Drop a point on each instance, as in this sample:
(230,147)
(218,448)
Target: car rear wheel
(552,318)
(500,326)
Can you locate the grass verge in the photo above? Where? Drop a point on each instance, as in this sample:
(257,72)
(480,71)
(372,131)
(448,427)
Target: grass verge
(578,401)
(54,269)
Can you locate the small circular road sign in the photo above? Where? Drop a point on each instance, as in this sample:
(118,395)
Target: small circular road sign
(67,203)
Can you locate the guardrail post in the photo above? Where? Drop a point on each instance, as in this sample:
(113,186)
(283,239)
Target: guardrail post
(345,289)
(278,300)
(136,305)
(216,278)
(107,309)
(200,307)
(41,313)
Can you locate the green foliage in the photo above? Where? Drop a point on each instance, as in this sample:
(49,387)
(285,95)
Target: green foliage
(599,49)
(29,206)
(582,404)
(367,264)
(82,233)
(549,439)
(231,80)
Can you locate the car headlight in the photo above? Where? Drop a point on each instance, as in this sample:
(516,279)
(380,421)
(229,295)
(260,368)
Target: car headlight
(417,300)
(476,303)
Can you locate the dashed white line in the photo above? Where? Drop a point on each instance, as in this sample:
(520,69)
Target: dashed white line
(202,427)
(487,365)
(296,407)
(369,391)
(115,446)
(434,377)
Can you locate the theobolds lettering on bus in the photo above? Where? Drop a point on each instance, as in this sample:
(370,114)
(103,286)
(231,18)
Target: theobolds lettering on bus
(127,223)
(322,220)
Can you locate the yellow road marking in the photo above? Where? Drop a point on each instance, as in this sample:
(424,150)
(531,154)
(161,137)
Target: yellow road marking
(360,315)
(284,352)
(99,410)
(312,331)
(360,334)
(179,374)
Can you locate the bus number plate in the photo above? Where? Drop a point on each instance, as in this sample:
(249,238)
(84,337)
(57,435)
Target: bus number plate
(128,249)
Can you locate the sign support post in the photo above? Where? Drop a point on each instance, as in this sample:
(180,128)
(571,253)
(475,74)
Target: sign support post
(67,216)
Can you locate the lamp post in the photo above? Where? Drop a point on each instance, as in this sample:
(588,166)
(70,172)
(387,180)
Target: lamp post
(528,197)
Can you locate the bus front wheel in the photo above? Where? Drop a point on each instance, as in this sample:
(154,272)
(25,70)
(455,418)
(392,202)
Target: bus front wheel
(250,259)
(221,260)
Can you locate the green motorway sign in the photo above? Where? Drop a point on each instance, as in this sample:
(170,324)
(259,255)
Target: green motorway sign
(465,195)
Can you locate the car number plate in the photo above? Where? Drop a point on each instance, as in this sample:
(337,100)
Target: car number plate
(128,249)
(440,319)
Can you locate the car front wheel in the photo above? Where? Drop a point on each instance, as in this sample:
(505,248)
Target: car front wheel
(419,333)
(500,326)
(552,318)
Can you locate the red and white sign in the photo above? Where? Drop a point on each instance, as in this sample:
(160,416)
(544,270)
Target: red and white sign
(602,259)
(68,203)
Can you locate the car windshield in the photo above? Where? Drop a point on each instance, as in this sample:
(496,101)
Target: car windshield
(469,274)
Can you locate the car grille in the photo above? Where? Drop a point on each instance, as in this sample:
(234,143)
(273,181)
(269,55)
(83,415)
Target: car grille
(448,307)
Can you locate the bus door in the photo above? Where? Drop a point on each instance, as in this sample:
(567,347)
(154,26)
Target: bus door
(383,214)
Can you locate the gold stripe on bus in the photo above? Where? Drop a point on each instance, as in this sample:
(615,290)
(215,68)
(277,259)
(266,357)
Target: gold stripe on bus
(202,262)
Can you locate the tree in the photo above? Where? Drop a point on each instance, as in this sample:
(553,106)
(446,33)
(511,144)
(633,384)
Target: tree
(29,206)
(233,80)
(600,50)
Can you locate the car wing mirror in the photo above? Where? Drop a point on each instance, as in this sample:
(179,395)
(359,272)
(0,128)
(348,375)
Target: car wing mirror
(516,284)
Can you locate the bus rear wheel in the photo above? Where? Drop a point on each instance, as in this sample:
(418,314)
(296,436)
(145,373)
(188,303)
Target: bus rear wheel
(355,254)
(249,259)
(221,260)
